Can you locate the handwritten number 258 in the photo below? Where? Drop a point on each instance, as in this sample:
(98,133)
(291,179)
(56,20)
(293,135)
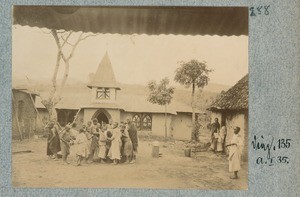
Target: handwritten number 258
(259,10)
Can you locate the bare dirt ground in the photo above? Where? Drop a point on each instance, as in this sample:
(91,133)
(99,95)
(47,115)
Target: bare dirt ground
(204,170)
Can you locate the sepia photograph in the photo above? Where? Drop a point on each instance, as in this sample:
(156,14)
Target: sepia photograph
(130,97)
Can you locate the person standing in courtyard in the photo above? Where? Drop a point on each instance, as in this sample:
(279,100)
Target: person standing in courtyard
(221,139)
(126,143)
(95,128)
(89,136)
(102,143)
(66,141)
(109,128)
(53,141)
(235,150)
(215,128)
(116,143)
(134,139)
(81,146)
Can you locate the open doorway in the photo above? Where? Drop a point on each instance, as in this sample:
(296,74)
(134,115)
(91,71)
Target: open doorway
(102,116)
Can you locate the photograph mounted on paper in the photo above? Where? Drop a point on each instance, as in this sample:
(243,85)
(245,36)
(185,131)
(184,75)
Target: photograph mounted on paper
(130,97)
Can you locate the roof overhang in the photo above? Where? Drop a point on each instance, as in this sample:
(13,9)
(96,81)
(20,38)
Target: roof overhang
(217,109)
(25,90)
(222,21)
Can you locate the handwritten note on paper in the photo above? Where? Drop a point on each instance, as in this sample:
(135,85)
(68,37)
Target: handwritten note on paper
(269,147)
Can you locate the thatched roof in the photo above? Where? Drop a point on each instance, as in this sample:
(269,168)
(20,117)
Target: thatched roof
(25,90)
(105,76)
(236,98)
(148,20)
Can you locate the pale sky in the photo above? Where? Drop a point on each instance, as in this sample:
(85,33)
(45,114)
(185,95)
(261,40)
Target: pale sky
(136,59)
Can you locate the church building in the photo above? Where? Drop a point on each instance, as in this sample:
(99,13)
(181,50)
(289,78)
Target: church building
(107,99)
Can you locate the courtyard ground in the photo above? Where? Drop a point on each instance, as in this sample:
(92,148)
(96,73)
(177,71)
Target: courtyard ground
(204,170)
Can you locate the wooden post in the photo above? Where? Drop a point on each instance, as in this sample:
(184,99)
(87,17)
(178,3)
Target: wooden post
(76,116)
(30,128)
(166,129)
(17,118)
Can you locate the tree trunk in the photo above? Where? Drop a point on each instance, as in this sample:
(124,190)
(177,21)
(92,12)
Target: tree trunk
(64,80)
(166,132)
(193,113)
(52,113)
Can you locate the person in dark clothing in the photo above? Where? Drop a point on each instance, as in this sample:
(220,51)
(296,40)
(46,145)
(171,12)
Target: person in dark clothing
(134,139)
(53,142)
(109,128)
(95,129)
(215,128)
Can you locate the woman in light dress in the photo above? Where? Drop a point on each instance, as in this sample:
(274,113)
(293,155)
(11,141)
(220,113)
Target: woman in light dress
(81,146)
(235,151)
(116,143)
(88,133)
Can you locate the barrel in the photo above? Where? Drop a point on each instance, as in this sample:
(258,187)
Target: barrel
(155,149)
(187,152)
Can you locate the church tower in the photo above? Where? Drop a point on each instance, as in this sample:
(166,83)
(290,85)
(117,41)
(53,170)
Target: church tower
(104,85)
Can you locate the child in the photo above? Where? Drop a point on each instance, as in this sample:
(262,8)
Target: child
(102,144)
(116,143)
(81,142)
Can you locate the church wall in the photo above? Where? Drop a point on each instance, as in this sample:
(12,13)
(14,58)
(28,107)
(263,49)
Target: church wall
(178,126)
(158,124)
(182,126)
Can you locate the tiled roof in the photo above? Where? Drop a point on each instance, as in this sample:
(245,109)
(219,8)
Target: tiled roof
(130,102)
(104,77)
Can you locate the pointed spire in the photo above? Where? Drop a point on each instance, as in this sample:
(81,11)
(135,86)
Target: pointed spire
(104,76)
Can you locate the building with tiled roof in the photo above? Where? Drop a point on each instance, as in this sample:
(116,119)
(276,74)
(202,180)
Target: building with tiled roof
(105,98)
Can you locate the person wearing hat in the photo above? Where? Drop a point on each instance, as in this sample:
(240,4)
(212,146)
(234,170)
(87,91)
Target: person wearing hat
(235,150)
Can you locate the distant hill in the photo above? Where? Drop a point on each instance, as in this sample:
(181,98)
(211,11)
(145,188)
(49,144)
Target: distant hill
(75,87)
(214,87)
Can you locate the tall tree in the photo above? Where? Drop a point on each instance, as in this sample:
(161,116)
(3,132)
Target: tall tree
(62,38)
(161,93)
(196,74)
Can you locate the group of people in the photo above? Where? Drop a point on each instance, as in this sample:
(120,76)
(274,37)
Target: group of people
(218,145)
(95,141)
